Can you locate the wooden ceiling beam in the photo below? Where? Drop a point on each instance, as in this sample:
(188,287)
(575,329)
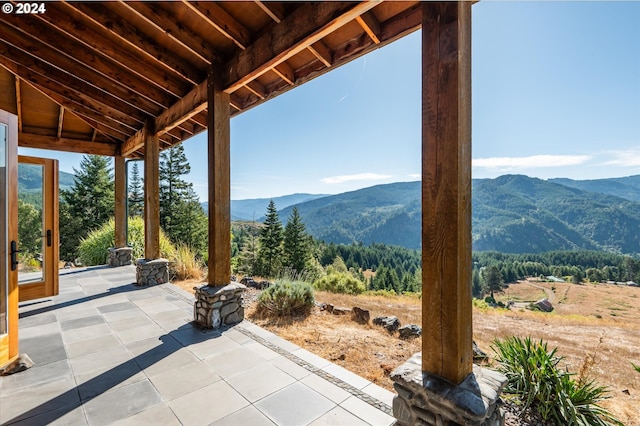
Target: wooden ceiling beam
(54,47)
(274,10)
(28,140)
(193,103)
(67,87)
(164,22)
(129,34)
(134,143)
(285,72)
(63,17)
(257,89)
(18,102)
(370,25)
(322,52)
(224,23)
(290,37)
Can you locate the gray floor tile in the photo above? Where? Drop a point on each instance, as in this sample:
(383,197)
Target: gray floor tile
(262,351)
(247,416)
(207,405)
(347,376)
(294,405)
(339,417)
(116,307)
(380,393)
(290,367)
(44,349)
(35,377)
(108,358)
(367,412)
(215,346)
(84,333)
(140,333)
(311,358)
(72,415)
(176,382)
(102,380)
(160,415)
(70,324)
(153,363)
(89,346)
(121,403)
(326,388)
(154,346)
(188,334)
(232,362)
(26,403)
(40,319)
(261,380)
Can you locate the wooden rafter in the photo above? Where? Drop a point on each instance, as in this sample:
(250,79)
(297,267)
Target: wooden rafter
(167,24)
(322,52)
(285,72)
(274,10)
(29,140)
(257,89)
(18,103)
(224,23)
(370,25)
(60,121)
(290,37)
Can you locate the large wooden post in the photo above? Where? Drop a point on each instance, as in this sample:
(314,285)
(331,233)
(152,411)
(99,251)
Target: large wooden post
(151,195)
(120,202)
(446,190)
(218,130)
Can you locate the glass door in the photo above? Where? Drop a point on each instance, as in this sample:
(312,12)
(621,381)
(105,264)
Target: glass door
(8,238)
(38,227)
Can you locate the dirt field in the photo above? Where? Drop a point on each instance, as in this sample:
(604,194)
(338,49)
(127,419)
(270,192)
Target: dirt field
(595,327)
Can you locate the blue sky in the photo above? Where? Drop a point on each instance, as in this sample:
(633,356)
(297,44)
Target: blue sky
(556,93)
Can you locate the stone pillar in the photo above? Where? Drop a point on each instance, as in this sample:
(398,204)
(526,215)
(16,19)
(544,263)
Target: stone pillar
(152,272)
(427,399)
(219,306)
(120,256)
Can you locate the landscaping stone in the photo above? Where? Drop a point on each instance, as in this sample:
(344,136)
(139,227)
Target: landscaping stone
(410,331)
(359,315)
(390,323)
(544,305)
(427,399)
(340,311)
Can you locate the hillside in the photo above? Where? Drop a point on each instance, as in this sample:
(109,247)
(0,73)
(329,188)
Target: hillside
(255,208)
(624,187)
(512,214)
(29,178)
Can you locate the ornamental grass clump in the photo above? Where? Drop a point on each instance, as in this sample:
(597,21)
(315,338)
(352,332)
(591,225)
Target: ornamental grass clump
(286,298)
(538,383)
(340,282)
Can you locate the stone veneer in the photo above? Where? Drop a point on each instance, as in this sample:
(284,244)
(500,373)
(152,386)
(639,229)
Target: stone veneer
(426,399)
(152,272)
(120,256)
(218,306)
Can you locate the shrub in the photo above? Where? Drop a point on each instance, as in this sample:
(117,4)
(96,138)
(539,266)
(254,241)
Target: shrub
(534,377)
(185,265)
(336,282)
(636,367)
(94,248)
(286,297)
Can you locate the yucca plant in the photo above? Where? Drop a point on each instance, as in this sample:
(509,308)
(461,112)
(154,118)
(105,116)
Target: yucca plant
(534,377)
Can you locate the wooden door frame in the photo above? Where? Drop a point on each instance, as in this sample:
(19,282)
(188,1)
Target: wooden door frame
(50,209)
(9,341)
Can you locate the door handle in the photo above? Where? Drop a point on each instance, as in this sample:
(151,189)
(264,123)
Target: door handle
(14,255)
(48,237)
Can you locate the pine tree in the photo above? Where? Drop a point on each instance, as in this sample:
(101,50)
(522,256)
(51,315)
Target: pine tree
(493,279)
(136,192)
(296,242)
(87,205)
(270,254)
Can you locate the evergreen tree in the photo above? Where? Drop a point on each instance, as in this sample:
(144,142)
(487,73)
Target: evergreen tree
(296,242)
(87,205)
(136,192)
(29,229)
(493,279)
(270,254)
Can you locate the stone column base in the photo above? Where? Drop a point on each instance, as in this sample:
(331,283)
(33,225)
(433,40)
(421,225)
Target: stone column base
(120,256)
(427,399)
(218,306)
(152,272)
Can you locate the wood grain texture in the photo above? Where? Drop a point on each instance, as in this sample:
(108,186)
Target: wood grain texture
(219,181)
(120,194)
(151,195)
(446,190)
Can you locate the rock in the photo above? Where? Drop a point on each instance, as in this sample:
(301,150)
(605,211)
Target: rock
(410,331)
(544,305)
(391,323)
(340,311)
(329,307)
(479,354)
(359,315)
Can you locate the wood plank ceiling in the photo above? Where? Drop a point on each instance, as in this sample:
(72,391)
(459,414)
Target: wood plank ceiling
(88,76)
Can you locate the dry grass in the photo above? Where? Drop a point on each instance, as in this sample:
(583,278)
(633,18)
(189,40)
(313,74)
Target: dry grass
(596,328)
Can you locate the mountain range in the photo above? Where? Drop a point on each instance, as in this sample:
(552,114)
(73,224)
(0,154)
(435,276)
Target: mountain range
(511,214)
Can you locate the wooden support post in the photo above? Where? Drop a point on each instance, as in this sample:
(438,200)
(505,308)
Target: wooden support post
(151,195)
(120,239)
(446,190)
(218,131)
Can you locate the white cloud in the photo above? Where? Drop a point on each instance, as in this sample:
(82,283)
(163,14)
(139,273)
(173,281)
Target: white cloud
(624,158)
(530,162)
(358,176)
(415,176)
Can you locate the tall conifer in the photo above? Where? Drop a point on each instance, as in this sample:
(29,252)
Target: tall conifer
(271,237)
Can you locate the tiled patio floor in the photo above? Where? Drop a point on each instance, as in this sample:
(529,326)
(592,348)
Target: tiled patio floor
(109,352)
